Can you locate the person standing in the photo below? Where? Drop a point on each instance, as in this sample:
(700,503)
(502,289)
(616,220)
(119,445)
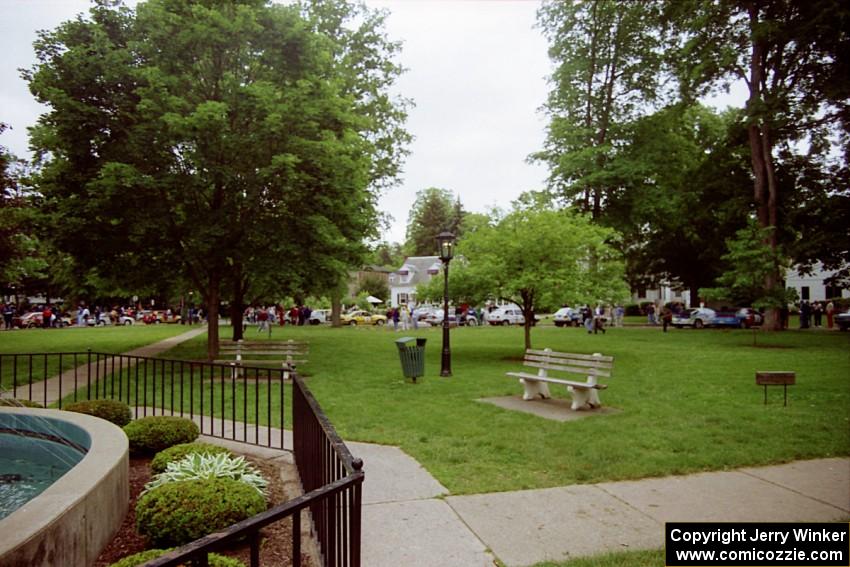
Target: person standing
(405,317)
(805,313)
(8,315)
(830,314)
(817,313)
(46,317)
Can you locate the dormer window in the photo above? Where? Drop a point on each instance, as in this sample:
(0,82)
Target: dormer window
(403,272)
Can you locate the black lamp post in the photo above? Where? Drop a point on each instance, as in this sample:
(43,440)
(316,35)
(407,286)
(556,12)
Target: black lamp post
(446,242)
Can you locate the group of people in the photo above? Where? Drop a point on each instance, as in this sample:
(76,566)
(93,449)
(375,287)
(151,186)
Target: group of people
(811,314)
(265,316)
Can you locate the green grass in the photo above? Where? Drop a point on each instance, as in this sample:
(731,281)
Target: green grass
(688,402)
(653,558)
(98,339)
(687,399)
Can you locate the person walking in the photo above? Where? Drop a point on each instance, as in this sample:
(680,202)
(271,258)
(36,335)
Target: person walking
(666,317)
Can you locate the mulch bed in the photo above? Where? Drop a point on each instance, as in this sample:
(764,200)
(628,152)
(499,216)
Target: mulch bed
(276,546)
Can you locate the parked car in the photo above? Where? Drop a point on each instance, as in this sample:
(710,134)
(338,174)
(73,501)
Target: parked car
(749,317)
(843,321)
(361,317)
(697,318)
(506,316)
(155,317)
(435,318)
(567,317)
(319,316)
(725,319)
(28,320)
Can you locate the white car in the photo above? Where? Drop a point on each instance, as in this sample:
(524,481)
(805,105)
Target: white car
(506,316)
(319,316)
(696,318)
(567,317)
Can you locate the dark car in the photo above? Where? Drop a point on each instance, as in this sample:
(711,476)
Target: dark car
(843,321)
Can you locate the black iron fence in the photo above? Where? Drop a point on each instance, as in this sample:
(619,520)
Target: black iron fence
(230,402)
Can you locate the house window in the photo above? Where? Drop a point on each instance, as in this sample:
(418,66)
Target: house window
(831,291)
(401,298)
(804,293)
(641,292)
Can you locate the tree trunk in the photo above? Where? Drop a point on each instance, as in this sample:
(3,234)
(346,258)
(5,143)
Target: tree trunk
(212,298)
(528,313)
(765,188)
(336,311)
(237,312)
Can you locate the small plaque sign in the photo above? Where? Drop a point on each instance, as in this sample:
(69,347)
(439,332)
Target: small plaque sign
(773,378)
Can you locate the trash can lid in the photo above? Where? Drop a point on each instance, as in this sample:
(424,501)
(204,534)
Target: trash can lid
(404,339)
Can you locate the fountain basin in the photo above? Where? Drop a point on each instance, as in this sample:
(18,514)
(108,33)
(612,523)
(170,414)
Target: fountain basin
(71,521)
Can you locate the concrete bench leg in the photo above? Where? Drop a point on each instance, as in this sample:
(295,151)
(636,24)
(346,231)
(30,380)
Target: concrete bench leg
(584,398)
(534,388)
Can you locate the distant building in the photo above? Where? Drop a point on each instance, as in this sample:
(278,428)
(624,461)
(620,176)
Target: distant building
(813,287)
(661,295)
(415,270)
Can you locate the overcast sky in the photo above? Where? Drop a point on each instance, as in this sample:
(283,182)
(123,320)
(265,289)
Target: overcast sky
(476,71)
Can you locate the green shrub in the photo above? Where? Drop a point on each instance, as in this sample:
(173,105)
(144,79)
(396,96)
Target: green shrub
(179,512)
(111,410)
(216,560)
(19,403)
(204,465)
(177,452)
(152,434)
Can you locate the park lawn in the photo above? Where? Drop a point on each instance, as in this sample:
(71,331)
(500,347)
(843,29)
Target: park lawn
(687,399)
(112,339)
(651,558)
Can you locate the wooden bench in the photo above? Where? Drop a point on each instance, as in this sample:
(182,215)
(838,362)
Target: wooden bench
(283,351)
(584,394)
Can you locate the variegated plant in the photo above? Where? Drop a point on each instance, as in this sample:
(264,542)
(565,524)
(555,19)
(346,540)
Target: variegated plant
(204,465)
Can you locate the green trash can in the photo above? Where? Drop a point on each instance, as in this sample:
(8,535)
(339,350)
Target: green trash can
(412,357)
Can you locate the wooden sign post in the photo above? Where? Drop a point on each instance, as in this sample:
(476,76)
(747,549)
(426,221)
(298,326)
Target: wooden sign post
(783,379)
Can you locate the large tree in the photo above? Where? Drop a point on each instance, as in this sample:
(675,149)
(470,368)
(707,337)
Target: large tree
(434,211)
(539,257)
(684,178)
(212,138)
(792,56)
(607,57)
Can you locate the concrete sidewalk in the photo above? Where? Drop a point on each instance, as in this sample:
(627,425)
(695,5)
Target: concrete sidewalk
(409,519)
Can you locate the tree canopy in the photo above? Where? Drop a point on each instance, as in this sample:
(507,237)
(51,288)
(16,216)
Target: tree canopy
(219,140)
(538,258)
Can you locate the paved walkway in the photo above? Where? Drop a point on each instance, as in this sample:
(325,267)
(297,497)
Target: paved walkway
(410,519)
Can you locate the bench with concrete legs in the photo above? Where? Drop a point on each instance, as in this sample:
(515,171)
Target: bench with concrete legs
(584,394)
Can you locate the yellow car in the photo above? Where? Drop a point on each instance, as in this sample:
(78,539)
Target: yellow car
(361,317)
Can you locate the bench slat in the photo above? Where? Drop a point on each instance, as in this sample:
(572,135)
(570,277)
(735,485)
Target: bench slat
(573,369)
(556,380)
(263,352)
(556,354)
(569,361)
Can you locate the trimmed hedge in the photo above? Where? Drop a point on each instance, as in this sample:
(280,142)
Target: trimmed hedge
(177,452)
(111,410)
(177,513)
(152,434)
(216,560)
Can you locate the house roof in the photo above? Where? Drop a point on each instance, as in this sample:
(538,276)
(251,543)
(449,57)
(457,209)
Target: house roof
(418,267)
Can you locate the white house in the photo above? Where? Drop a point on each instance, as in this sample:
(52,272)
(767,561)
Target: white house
(415,270)
(662,295)
(813,287)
